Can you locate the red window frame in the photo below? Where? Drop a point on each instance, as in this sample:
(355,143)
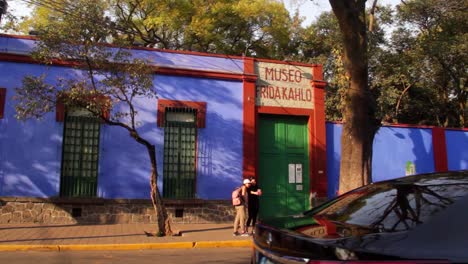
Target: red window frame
(2,102)
(199,106)
(60,109)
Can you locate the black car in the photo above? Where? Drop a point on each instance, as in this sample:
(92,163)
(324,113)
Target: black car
(414,219)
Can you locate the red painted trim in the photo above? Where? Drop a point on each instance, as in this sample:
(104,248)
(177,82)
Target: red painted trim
(199,73)
(2,102)
(60,112)
(286,62)
(18,36)
(317,131)
(318,141)
(249,129)
(60,109)
(284,111)
(440,149)
(409,126)
(156,69)
(314,178)
(423,127)
(199,106)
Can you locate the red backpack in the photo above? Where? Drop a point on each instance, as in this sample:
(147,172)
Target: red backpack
(236,196)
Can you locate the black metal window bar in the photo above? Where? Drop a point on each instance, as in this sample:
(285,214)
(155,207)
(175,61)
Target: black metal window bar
(180,134)
(80,156)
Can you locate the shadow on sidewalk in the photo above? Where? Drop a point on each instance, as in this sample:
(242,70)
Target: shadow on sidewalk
(205,229)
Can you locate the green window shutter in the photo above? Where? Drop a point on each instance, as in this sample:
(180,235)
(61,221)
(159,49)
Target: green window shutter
(80,156)
(179,171)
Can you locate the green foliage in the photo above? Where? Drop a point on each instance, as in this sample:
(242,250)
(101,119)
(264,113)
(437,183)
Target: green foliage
(76,37)
(427,54)
(417,74)
(417,69)
(260,28)
(35,98)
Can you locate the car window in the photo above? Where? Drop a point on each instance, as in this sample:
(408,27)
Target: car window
(393,206)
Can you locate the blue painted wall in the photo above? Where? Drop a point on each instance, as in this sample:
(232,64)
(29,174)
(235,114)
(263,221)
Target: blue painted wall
(393,148)
(125,164)
(30,151)
(457,149)
(334,132)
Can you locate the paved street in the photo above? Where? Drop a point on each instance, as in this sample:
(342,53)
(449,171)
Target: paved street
(207,255)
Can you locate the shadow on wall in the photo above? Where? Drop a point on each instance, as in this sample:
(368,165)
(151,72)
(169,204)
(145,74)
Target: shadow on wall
(457,149)
(394,147)
(219,158)
(219,164)
(125,167)
(423,150)
(29,164)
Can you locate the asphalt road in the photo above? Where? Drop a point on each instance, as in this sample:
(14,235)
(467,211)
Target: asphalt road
(208,255)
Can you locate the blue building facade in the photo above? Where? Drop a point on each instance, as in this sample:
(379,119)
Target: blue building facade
(31,151)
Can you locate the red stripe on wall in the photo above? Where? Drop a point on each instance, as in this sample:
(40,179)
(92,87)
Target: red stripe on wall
(440,149)
(2,101)
(249,144)
(318,142)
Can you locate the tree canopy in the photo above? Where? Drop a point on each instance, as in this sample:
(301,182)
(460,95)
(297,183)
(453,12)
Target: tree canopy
(416,50)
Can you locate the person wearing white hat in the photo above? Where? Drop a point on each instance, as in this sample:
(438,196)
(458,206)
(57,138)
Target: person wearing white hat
(239,221)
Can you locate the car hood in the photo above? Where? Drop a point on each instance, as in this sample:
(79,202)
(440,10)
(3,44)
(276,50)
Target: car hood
(443,237)
(317,227)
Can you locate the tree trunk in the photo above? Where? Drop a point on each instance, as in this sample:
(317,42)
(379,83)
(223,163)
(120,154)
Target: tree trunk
(163,221)
(359,117)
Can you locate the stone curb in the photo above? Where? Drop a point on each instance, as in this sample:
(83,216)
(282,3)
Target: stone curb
(175,245)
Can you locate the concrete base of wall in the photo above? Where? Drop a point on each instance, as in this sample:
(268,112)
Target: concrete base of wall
(22,210)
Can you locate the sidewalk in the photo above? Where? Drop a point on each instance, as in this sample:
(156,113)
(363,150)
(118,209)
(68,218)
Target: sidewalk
(115,237)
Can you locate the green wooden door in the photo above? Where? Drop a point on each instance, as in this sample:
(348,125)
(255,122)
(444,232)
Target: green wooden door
(283,165)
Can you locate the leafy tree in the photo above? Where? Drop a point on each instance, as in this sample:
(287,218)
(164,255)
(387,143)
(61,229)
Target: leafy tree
(322,45)
(260,28)
(438,32)
(407,76)
(108,78)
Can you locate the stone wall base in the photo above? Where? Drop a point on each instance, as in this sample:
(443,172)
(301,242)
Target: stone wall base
(14,210)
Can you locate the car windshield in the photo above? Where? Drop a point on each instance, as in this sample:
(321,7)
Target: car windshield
(395,205)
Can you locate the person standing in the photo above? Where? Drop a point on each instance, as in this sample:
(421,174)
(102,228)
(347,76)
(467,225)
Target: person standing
(239,221)
(253,193)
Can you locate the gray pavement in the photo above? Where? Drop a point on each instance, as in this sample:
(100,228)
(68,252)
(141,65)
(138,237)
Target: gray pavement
(115,237)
